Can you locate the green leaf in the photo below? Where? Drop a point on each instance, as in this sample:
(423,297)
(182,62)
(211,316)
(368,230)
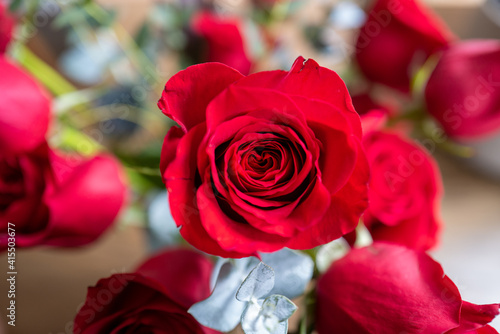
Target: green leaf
(258,283)
(15,5)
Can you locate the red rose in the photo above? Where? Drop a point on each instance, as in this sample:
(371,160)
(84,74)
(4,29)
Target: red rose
(24,111)
(463,91)
(153,299)
(50,198)
(388,288)
(6,27)
(224,38)
(58,200)
(262,162)
(396,39)
(405,188)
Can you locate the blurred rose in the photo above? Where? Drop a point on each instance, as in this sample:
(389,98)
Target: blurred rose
(396,40)
(51,198)
(225,39)
(58,200)
(262,162)
(388,288)
(153,299)
(6,27)
(405,188)
(24,111)
(463,91)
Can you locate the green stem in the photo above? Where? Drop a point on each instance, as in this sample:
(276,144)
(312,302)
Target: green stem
(303,325)
(145,170)
(416,115)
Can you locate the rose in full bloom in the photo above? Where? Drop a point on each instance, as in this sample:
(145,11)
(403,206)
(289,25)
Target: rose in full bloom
(51,198)
(463,91)
(6,27)
(388,288)
(397,39)
(224,39)
(405,189)
(262,162)
(153,299)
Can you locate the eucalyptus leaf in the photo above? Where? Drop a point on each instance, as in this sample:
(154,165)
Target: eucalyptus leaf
(241,286)
(162,228)
(222,311)
(269,316)
(251,321)
(258,283)
(293,272)
(280,306)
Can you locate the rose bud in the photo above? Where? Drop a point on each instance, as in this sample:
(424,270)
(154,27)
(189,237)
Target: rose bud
(262,162)
(463,91)
(225,40)
(6,27)
(405,188)
(388,288)
(153,299)
(396,40)
(49,198)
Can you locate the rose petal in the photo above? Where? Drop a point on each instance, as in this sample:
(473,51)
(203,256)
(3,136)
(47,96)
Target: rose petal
(24,112)
(225,40)
(238,101)
(6,27)
(169,148)
(338,151)
(462,91)
(179,178)
(396,38)
(306,78)
(405,191)
(473,317)
(187,93)
(346,207)
(180,271)
(84,201)
(386,288)
(231,235)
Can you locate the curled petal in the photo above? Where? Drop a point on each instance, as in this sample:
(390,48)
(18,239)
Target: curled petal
(187,94)
(389,288)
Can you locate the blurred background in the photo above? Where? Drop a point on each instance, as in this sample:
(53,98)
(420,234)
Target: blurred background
(106,62)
